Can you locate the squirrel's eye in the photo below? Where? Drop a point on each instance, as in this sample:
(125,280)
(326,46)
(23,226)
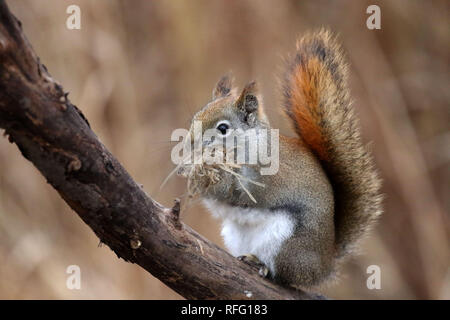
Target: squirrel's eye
(223,128)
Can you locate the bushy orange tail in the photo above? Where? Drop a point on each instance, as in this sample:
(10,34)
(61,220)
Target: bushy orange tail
(317,101)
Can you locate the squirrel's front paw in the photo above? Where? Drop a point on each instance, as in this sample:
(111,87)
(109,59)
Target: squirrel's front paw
(253,261)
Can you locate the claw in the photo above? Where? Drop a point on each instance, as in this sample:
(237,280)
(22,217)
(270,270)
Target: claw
(250,259)
(253,261)
(263,271)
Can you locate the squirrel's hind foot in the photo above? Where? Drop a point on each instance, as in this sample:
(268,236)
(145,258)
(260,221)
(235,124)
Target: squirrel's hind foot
(253,261)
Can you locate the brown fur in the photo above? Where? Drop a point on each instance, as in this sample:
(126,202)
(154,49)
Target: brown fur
(317,100)
(305,79)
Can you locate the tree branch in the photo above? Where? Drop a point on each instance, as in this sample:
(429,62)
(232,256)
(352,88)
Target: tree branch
(54,135)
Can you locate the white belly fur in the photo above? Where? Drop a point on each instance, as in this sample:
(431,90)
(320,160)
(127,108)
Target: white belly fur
(253,231)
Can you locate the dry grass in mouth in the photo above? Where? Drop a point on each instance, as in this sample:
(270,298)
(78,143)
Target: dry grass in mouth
(202,176)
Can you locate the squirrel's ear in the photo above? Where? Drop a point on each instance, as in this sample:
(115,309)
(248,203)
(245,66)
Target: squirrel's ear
(223,87)
(248,101)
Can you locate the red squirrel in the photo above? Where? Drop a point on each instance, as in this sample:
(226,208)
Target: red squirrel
(299,223)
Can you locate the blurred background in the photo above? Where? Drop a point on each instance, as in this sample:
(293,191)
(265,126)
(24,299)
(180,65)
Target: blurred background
(140,69)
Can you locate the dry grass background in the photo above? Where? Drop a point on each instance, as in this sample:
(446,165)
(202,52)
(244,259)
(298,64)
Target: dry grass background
(139,69)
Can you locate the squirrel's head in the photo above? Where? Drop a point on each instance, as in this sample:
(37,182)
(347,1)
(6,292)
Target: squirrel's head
(227,110)
(227,116)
